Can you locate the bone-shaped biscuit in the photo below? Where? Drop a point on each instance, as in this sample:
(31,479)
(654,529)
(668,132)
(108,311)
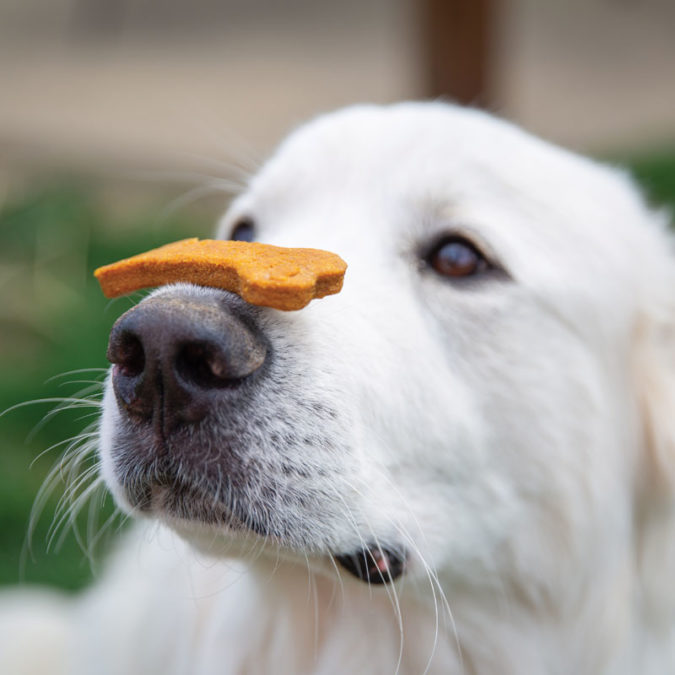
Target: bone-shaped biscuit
(270,276)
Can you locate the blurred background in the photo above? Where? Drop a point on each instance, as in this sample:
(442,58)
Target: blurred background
(127,124)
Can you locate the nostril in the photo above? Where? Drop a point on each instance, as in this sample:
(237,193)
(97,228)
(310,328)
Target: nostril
(128,355)
(205,365)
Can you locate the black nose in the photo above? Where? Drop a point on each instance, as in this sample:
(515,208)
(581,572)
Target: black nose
(173,356)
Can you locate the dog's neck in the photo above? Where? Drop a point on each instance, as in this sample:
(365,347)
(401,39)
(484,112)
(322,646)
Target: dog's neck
(293,622)
(300,622)
(309,623)
(276,617)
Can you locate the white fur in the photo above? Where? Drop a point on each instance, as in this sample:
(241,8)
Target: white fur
(516,435)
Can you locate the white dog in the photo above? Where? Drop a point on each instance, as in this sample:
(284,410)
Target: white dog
(462,463)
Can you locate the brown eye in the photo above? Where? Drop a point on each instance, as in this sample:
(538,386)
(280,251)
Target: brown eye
(244,230)
(457,257)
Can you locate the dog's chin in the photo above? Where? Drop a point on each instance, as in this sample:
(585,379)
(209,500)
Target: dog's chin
(186,508)
(217,531)
(183,504)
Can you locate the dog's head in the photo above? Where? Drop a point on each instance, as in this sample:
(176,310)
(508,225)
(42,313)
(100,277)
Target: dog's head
(469,402)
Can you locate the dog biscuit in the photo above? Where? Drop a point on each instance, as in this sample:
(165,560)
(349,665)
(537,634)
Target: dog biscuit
(261,274)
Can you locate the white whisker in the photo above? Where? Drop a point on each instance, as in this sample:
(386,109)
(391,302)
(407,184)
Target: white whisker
(217,186)
(75,475)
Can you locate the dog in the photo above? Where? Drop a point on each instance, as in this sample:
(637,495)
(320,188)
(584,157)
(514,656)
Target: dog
(464,462)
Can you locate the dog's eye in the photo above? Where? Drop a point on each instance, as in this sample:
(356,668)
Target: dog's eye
(456,257)
(244,230)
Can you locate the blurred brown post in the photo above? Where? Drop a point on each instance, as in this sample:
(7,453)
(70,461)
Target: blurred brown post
(457,37)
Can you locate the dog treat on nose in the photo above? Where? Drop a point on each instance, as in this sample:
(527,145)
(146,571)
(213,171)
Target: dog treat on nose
(270,276)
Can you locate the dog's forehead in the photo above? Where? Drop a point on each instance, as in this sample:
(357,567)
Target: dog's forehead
(433,152)
(412,151)
(430,146)
(356,178)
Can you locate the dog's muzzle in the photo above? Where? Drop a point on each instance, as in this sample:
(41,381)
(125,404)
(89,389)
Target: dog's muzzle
(187,368)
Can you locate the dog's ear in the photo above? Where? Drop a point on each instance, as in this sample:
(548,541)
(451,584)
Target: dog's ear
(655,377)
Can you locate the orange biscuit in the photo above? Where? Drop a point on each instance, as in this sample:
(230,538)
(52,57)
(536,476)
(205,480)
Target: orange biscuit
(270,276)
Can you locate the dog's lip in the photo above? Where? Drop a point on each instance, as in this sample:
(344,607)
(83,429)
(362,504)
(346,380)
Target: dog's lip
(176,499)
(375,564)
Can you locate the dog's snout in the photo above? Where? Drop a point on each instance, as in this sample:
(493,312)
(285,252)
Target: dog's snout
(173,356)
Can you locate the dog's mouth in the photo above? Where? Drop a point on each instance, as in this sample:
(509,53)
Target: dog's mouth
(169,497)
(160,491)
(374,564)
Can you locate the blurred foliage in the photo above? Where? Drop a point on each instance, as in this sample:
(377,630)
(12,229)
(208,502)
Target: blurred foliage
(54,319)
(656,173)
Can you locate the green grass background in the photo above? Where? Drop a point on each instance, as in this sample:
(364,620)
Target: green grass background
(54,319)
